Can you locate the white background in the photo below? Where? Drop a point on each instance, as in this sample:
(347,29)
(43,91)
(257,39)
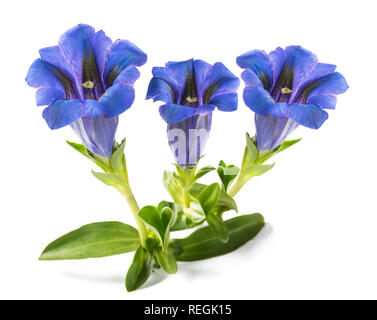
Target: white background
(319,201)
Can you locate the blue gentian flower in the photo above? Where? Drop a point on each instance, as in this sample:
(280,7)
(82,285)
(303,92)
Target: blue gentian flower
(288,88)
(191,91)
(86,82)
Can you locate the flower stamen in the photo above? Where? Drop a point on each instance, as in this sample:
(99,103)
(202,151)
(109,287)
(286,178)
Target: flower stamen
(285,90)
(191,100)
(88,85)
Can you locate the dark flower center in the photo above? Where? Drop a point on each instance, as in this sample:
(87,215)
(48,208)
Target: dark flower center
(190,94)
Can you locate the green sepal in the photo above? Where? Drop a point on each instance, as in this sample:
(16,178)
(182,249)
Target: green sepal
(264,156)
(140,269)
(203,244)
(167,261)
(203,171)
(110,179)
(102,163)
(95,240)
(175,186)
(227,174)
(118,161)
(225,201)
(250,154)
(256,170)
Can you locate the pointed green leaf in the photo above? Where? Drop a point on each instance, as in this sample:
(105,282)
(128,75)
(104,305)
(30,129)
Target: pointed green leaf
(203,171)
(257,170)
(251,152)
(79,147)
(117,159)
(288,143)
(93,240)
(151,216)
(203,244)
(173,185)
(140,269)
(109,179)
(224,200)
(167,261)
(208,197)
(227,174)
(218,227)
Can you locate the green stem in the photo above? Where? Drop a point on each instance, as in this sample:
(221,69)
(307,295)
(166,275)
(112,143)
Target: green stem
(237,186)
(127,193)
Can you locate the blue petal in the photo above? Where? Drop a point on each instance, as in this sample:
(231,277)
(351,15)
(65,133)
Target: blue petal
(278,59)
(308,115)
(93,108)
(128,76)
(159,90)
(201,69)
(62,112)
(47,95)
(42,74)
(220,80)
(301,62)
(164,74)
(76,44)
(173,113)
(54,56)
(324,101)
(331,84)
(180,71)
(101,45)
(225,102)
(259,62)
(279,109)
(117,99)
(319,70)
(258,100)
(250,78)
(122,54)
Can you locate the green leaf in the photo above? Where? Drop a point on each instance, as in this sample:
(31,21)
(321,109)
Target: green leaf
(288,143)
(188,218)
(256,170)
(227,174)
(79,147)
(117,159)
(208,197)
(250,154)
(224,201)
(167,261)
(110,179)
(173,184)
(140,269)
(218,227)
(93,240)
(203,244)
(203,171)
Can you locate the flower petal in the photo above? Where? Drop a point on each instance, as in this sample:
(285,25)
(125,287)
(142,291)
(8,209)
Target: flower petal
(299,61)
(93,108)
(201,69)
(122,54)
(47,95)
(164,74)
(258,100)
(173,113)
(42,74)
(308,115)
(159,90)
(225,102)
(117,99)
(333,83)
(278,59)
(62,112)
(259,62)
(128,76)
(251,79)
(101,45)
(324,101)
(76,44)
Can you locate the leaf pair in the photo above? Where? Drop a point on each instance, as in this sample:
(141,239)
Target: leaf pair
(227,174)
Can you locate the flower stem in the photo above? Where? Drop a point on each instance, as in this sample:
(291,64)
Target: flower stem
(237,186)
(127,193)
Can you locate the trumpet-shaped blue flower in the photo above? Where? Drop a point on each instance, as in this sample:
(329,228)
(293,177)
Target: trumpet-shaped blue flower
(287,88)
(191,90)
(86,81)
